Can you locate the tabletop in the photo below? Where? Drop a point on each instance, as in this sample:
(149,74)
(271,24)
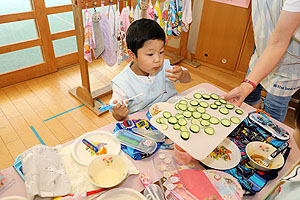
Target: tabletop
(146,164)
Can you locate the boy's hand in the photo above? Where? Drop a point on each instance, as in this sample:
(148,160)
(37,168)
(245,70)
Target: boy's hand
(120,112)
(175,74)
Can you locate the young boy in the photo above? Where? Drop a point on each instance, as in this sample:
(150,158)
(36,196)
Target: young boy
(148,73)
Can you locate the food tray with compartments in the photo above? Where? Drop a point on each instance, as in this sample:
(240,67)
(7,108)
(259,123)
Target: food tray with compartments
(199,121)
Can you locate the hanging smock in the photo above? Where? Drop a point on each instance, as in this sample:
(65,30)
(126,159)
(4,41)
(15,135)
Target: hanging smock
(150,11)
(112,23)
(284,80)
(171,17)
(176,26)
(137,11)
(157,14)
(165,17)
(89,39)
(186,14)
(121,37)
(109,55)
(99,48)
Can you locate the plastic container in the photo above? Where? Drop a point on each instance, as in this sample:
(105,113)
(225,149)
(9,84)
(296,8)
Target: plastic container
(181,157)
(143,144)
(154,134)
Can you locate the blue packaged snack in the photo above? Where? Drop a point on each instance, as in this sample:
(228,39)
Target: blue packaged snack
(129,125)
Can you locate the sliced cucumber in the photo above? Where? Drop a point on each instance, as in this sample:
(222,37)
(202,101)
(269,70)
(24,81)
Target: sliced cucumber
(223,101)
(205,116)
(182,107)
(191,108)
(225,122)
(218,103)
(188,98)
(206,96)
(184,102)
(213,106)
(177,106)
(195,121)
(167,114)
(204,104)
(235,120)
(176,126)
(204,122)
(185,135)
(195,128)
(214,120)
(158,120)
(179,116)
(182,122)
(194,103)
(183,128)
(197,96)
(164,126)
(209,130)
(187,114)
(196,115)
(200,109)
(229,106)
(224,111)
(214,96)
(239,111)
(172,120)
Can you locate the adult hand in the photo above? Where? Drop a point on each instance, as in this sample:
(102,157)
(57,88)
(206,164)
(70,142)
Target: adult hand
(175,73)
(120,111)
(237,95)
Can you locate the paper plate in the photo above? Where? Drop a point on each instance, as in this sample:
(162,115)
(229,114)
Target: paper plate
(221,164)
(122,194)
(158,107)
(84,156)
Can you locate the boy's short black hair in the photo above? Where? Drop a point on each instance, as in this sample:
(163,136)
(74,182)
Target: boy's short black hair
(141,31)
(297,116)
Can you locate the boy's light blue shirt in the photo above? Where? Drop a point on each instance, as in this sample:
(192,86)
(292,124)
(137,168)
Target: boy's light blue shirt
(161,89)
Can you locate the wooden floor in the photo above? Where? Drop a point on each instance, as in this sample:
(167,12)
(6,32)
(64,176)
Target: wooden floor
(25,106)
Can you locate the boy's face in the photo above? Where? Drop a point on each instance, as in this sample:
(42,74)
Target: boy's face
(150,58)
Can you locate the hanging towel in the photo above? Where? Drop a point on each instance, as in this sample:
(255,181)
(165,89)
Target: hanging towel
(131,15)
(89,39)
(171,16)
(157,14)
(112,22)
(150,11)
(125,19)
(165,17)
(120,39)
(109,54)
(99,47)
(186,14)
(137,11)
(176,26)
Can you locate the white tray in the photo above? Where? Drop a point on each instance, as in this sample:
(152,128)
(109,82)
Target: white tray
(199,145)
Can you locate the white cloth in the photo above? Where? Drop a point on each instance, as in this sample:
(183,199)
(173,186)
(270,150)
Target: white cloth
(44,172)
(187,16)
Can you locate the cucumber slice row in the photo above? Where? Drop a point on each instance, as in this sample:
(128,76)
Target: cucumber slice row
(224,111)
(235,120)
(213,106)
(209,130)
(187,114)
(195,128)
(182,107)
(205,116)
(195,121)
(201,110)
(177,106)
(182,122)
(191,108)
(167,114)
(183,128)
(159,120)
(239,111)
(225,122)
(197,96)
(185,135)
(223,101)
(179,116)
(176,126)
(184,102)
(218,103)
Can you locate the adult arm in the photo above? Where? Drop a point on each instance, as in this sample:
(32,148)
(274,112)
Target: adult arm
(277,45)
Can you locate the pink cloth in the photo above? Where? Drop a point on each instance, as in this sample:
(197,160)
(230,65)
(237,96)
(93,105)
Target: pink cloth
(150,11)
(89,39)
(109,55)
